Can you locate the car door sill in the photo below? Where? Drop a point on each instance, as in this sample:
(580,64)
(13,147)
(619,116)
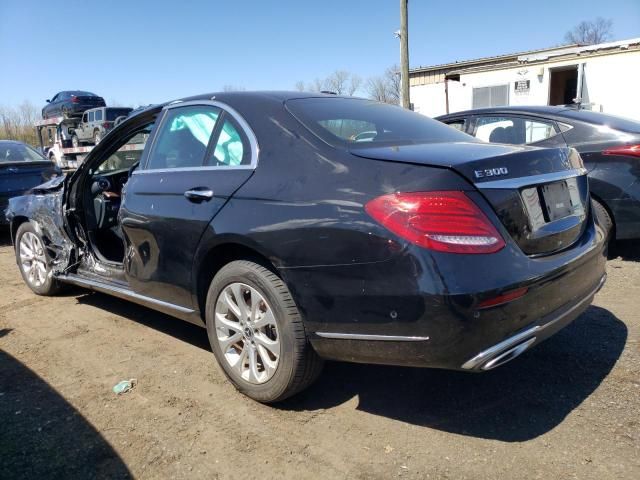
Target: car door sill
(120,291)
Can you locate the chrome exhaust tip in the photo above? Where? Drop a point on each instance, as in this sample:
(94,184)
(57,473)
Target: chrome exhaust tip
(508,355)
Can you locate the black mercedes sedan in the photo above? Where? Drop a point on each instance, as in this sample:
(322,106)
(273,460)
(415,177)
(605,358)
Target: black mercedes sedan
(269,219)
(21,168)
(71,103)
(608,145)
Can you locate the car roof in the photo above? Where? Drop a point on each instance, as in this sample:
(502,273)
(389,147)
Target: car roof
(533,109)
(273,95)
(13,142)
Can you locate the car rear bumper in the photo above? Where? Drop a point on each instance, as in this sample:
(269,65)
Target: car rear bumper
(423,311)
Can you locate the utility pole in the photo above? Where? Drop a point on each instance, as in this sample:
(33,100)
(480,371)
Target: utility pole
(404,54)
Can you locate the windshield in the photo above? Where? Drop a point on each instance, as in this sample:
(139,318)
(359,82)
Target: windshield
(19,152)
(353,122)
(113,113)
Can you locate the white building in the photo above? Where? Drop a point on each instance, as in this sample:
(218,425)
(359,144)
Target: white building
(603,77)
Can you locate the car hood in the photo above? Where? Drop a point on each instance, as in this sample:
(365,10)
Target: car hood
(51,185)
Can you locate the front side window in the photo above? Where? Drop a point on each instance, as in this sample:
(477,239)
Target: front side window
(91,116)
(352,122)
(128,154)
(457,124)
(183,137)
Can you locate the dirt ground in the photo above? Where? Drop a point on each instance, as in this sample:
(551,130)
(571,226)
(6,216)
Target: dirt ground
(567,409)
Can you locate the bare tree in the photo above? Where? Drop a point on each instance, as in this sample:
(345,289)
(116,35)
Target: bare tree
(385,88)
(341,82)
(354,84)
(591,32)
(337,82)
(17,123)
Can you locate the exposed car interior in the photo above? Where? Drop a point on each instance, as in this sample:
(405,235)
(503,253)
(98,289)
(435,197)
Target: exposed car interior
(104,192)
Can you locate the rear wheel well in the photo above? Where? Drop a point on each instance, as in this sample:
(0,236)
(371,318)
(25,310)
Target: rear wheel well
(606,207)
(217,258)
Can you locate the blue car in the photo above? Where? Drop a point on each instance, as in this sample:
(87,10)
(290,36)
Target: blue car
(21,168)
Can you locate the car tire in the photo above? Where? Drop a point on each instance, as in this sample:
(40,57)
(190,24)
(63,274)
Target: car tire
(602,214)
(96,137)
(265,315)
(34,261)
(75,141)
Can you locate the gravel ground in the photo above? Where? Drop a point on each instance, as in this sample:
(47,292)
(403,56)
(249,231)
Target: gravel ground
(567,409)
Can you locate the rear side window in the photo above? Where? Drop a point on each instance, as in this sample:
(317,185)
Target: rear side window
(351,122)
(183,137)
(98,116)
(231,148)
(513,130)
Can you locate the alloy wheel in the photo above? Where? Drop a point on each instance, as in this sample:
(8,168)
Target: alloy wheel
(32,259)
(247,332)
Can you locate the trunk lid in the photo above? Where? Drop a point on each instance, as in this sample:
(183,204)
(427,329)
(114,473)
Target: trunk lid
(541,196)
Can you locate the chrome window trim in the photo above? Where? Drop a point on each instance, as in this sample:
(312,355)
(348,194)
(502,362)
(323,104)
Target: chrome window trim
(520,182)
(253,141)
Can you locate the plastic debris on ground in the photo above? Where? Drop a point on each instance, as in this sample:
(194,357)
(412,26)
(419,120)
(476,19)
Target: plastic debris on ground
(124,386)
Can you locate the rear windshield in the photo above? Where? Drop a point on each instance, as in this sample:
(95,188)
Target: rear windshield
(18,152)
(611,121)
(113,113)
(354,122)
(81,93)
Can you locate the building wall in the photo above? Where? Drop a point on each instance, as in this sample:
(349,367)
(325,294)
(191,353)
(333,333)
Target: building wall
(611,81)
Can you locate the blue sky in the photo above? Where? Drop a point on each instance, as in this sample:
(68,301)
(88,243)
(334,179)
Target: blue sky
(139,51)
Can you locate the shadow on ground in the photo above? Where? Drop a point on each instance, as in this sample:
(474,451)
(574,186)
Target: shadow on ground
(5,236)
(517,402)
(625,249)
(42,435)
(187,332)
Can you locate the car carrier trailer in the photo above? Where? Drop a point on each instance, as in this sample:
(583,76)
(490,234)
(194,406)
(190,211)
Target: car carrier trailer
(55,134)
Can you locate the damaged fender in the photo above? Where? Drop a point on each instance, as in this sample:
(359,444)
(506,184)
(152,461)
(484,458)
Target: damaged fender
(43,207)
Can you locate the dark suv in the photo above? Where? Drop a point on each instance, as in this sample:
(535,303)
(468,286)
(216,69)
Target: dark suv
(274,221)
(71,103)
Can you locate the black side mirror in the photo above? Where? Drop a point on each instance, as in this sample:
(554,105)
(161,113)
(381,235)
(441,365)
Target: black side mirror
(48,101)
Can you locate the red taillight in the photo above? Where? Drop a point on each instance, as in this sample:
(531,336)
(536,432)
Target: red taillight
(74,99)
(106,125)
(446,221)
(629,150)
(504,298)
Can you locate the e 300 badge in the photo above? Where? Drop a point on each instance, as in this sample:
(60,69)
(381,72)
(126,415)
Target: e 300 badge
(491,172)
